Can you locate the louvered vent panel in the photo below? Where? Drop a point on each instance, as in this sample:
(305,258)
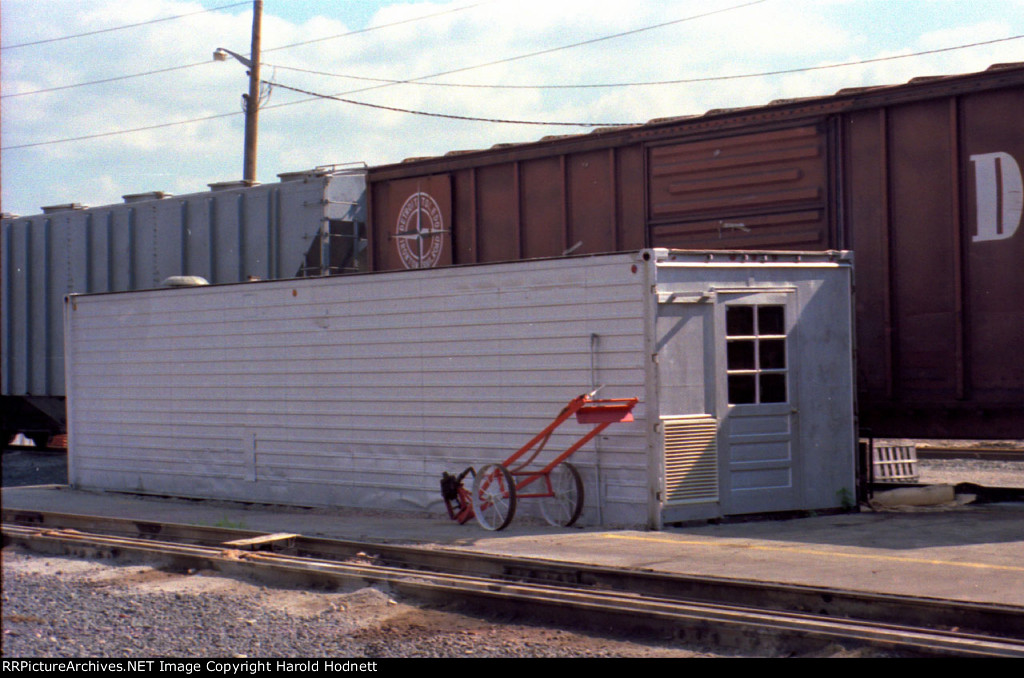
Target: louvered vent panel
(691,460)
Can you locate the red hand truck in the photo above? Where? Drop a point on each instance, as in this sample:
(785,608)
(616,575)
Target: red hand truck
(498,487)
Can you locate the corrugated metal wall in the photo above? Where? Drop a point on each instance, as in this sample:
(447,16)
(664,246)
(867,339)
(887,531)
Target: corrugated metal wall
(357,391)
(223,236)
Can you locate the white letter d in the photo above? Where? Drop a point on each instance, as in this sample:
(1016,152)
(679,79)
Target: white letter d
(992,170)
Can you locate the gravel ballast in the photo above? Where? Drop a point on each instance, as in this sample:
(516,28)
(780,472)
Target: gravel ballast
(67,607)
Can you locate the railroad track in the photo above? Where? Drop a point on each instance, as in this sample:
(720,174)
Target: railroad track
(980,453)
(735,614)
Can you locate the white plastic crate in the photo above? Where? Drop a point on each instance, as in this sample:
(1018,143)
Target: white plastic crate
(894,463)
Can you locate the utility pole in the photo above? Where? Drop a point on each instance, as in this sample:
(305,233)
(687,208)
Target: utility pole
(252,100)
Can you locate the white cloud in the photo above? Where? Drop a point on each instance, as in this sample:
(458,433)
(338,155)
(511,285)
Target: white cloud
(773,35)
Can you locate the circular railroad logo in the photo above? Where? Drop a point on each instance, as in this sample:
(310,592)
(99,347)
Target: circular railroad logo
(419,232)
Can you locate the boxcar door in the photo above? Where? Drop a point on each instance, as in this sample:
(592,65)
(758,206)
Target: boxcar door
(756,396)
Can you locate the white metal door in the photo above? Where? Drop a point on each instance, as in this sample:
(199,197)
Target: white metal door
(690,468)
(757,395)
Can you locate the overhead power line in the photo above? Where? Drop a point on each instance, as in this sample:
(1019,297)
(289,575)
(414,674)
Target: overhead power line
(389,84)
(386,83)
(682,81)
(113,133)
(550,50)
(607,85)
(450,116)
(106,80)
(376,28)
(121,28)
(204,63)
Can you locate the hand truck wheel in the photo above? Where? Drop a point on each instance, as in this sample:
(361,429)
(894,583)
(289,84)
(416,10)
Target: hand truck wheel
(564,507)
(494,497)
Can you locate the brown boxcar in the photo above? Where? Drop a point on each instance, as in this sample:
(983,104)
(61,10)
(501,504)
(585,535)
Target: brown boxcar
(922,180)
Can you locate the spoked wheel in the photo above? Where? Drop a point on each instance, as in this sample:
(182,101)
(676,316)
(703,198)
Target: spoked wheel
(565,506)
(494,497)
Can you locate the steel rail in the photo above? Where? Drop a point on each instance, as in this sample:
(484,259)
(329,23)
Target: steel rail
(724,624)
(988,619)
(928,451)
(985,618)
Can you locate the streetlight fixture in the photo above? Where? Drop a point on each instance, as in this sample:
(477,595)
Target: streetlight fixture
(252,99)
(221,54)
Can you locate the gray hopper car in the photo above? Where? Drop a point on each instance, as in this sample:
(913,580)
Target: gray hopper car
(309,224)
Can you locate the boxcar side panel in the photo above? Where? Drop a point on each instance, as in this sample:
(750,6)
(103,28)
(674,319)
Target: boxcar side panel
(766,190)
(497,213)
(925,246)
(993,163)
(632,191)
(543,183)
(933,206)
(867,211)
(413,223)
(592,201)
(584,202)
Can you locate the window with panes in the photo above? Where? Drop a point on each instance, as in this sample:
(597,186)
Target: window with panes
(756,363)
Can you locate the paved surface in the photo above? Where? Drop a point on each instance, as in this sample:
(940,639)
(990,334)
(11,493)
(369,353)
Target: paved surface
(971,553)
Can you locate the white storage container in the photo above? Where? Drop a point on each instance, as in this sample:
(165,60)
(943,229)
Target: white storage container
(361,390)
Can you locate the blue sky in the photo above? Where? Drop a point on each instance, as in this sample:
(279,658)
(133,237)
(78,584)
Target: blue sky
(40,167)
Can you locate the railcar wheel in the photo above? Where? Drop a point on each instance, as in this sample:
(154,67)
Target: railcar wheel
(565,506)
(494,497)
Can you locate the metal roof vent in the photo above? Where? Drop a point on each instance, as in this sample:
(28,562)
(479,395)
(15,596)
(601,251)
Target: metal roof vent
(142,197)
(301,174)
(228,185)
(324,170)
(66,207)
(185,281)
(358,166)
(298,176)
